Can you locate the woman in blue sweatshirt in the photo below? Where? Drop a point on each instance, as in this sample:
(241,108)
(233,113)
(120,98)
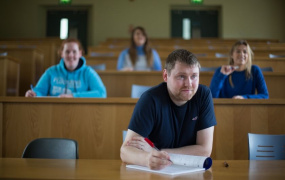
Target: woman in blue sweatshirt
(139,57)
(71,77)
(240,79)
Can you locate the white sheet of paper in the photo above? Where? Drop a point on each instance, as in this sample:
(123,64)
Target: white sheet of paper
(169,170)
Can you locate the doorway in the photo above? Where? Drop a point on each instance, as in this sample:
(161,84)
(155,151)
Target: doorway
(201,23)
(77,24)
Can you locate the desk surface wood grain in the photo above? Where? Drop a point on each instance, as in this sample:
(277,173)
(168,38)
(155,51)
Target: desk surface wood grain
(55,169)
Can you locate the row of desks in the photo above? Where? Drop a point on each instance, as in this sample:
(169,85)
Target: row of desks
(170,46)
(19,73)
(278,64)
(59,169)
(27,67)
(208,43)
(164,52)
(9,76)
(33,57)
(32,62)
(118,83)
(47,46)
(97,124)
(177,40)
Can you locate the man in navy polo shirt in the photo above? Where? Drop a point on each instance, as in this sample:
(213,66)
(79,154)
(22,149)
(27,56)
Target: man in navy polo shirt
(176,115)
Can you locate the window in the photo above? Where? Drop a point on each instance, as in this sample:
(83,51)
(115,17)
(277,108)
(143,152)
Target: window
(186,34)
(63,28)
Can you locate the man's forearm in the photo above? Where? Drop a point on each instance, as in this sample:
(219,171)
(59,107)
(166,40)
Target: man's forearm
(131,155)
(203,146)
(196,150)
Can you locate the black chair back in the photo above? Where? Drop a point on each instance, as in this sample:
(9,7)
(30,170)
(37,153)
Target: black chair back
(51,148)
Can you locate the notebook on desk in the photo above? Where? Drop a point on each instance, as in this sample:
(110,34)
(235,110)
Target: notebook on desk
(181,164)
(170,170)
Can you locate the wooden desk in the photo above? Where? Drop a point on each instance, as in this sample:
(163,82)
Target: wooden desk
(110,62)
(119,84)
(54,169)
(170,46)
(9,76)
(32,66)
(208,53)
(49,46)
(97,124)
(180,41)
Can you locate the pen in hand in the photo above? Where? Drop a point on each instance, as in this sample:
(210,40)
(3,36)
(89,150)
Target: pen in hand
(151,144)
(31,92)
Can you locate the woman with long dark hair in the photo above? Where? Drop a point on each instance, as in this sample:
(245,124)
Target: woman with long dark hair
(139,56)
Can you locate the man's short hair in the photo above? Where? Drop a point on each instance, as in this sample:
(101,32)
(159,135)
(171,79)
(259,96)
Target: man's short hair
(181,55)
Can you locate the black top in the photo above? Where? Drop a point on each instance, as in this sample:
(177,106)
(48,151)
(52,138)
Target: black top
(170,126)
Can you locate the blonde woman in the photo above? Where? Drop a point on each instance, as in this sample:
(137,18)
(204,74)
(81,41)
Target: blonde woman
(240,79)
